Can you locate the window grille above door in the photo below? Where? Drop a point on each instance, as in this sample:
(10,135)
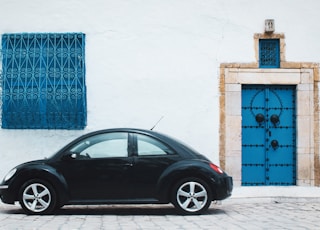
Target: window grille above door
(269,53)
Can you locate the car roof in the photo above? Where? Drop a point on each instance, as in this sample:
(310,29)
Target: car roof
(179,146)
(132,130)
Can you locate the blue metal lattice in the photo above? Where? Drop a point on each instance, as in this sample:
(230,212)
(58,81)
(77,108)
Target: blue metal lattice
(269,53)
(43,81)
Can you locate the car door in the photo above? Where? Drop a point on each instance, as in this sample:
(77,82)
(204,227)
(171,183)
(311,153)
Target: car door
(151,158)
(99,168)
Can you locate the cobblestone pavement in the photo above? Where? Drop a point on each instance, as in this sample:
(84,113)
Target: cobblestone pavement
(227,215)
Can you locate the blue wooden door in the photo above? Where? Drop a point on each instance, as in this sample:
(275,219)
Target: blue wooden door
(268,135)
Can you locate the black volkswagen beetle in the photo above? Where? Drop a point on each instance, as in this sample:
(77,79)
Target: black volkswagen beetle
(118,166)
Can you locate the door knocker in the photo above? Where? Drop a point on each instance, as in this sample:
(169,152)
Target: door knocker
(260,118)
(275,144)
(275,119)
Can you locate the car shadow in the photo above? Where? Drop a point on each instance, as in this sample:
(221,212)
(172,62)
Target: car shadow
(119,210)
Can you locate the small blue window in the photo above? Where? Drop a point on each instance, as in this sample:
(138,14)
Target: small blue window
(269,53)
(43,81)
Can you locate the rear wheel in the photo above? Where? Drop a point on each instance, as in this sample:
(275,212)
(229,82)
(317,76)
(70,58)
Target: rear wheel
(37,197)
(191,196)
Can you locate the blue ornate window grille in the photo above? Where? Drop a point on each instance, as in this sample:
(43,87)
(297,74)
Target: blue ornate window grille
(43,81)
(269,53)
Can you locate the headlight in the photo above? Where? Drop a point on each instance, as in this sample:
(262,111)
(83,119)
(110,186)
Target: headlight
(10,174)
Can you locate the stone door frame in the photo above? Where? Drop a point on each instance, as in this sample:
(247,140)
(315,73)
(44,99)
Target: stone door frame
(305,76)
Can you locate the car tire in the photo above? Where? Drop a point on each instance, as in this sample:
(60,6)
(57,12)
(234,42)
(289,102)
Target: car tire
(191,196)
(37,197)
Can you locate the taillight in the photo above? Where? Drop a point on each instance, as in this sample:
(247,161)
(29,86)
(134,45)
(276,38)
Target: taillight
(216,168)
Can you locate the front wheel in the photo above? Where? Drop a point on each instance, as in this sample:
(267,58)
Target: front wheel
(191,196)
(37,197)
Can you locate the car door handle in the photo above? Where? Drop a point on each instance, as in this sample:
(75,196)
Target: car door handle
(128,164)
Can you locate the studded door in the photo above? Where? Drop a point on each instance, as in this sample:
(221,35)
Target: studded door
(268,135)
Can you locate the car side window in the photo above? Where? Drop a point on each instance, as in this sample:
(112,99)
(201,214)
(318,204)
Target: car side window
(148,146)
(102,146)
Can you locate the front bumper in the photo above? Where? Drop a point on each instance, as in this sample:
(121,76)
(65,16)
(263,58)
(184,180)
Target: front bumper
(5,195)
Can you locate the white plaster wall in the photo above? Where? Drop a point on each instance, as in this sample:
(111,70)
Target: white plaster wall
(151,58)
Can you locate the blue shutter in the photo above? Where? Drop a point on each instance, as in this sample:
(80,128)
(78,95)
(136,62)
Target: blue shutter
(43,81)
(269,53)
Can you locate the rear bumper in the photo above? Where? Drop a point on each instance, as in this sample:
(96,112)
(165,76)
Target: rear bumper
(229,184)
(223,188)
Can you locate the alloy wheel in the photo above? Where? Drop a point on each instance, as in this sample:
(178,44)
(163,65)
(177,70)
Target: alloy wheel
(192,196)
(36,197)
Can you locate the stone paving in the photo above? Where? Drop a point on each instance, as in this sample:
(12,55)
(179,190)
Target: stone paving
(229,214)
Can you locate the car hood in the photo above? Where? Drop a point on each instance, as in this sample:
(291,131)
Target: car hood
(30,163)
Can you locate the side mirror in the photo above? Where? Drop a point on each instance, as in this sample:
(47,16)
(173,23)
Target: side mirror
(69,156)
